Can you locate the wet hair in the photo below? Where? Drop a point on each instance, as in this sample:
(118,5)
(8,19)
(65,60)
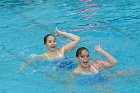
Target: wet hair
(79,51)
(46,37)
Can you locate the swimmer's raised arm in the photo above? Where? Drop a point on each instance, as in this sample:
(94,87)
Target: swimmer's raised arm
(111,60)
(74,40)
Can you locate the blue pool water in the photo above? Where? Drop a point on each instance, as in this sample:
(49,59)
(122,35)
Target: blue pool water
(114,24)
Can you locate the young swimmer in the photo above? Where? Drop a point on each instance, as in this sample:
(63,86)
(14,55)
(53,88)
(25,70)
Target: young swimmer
(53,51)
(87,73)
(85,67)
(51,44)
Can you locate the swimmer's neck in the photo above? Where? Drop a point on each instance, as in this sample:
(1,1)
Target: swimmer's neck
(87,69)
(52,53)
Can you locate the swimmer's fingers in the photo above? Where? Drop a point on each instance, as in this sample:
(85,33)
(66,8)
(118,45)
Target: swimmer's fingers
(57,31)
(22,67)
(97,48)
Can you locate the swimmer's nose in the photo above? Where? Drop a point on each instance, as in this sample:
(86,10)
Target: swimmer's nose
(53,43)
(86,59)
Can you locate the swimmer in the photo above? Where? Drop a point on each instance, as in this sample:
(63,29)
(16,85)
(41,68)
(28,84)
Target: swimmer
(86,67)
(51,44)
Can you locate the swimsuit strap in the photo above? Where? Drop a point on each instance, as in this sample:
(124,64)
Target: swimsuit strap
(59,54)
(95,70)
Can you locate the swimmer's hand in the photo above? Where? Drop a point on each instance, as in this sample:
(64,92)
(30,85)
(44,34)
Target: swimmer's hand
(97,48)
(58,32)
(22,67)
(24,64)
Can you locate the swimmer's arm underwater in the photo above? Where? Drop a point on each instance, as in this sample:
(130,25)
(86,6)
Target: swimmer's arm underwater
(111,60)
(24,64)
(32,58)
(74,40)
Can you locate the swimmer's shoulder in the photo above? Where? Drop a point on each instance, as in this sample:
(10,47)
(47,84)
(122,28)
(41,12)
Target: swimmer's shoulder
(98,64)
(44,55)
(77,71)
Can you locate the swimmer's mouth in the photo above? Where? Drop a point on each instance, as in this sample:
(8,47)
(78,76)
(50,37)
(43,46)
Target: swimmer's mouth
(53,46)
(85,62)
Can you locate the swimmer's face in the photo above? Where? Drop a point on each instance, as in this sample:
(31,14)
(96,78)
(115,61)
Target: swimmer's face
(83,58)
(51,43)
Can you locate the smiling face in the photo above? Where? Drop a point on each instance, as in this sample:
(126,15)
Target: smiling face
(51,42)
(83,58)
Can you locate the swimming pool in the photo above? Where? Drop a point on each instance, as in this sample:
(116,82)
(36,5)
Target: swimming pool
(114,24)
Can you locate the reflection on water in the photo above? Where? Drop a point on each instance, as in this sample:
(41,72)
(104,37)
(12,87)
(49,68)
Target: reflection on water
(113,24)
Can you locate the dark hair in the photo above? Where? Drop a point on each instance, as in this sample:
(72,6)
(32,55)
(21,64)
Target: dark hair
(45,38)
(79,50)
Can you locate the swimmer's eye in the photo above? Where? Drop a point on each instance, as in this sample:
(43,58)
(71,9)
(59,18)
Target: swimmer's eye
(54,41)
(82,56)
(87,55)
(49,41)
